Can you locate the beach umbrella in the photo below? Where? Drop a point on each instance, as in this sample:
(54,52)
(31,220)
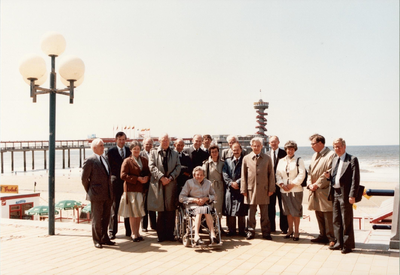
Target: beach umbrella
(86,209)
(67,204)
(41,210)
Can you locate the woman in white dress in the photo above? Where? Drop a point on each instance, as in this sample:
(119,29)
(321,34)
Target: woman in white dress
(289,176)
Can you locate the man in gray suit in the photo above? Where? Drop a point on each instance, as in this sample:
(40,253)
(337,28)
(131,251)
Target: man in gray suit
(96,179)
(345,180)
(162,196)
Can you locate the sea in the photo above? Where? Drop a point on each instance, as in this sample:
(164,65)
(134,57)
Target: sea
(377,163)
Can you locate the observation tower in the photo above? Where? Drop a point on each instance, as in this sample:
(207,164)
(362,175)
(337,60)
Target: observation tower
(260,107)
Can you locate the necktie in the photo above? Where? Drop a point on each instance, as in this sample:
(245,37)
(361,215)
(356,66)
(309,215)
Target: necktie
(121,152)
(165,162)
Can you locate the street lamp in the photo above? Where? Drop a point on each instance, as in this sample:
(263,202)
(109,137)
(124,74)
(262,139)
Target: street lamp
(33,70)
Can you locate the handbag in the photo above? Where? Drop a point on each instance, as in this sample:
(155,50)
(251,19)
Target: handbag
(360,193)
(304,183)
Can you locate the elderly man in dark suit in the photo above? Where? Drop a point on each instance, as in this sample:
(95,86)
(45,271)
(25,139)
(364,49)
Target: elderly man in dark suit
(234,201)
(162,196)
(186,164)
(96,179)
(345,180)
(196,154)
(276,154)
(258,184)
(115,157)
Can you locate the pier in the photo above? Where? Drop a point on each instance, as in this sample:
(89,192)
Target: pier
(31,146)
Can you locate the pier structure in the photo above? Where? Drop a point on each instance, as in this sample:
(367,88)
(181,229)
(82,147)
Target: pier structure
(260,107)
(31,146)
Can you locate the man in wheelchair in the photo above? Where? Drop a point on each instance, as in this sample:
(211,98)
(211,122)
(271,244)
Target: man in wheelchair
(198,195)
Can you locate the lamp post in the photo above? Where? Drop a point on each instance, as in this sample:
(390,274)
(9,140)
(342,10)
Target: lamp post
(33,70)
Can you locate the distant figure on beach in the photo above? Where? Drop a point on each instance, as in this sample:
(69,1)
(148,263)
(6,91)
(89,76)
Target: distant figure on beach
(290,173)
(234,201)
(148,147)
(276,155)
(164,167)
(345,180)
(207,139)
(318,185)
(135,174)
(116,156)
(96,179)
(257,185)
(196,154)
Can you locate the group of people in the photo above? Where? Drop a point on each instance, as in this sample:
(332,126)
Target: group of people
(147,184)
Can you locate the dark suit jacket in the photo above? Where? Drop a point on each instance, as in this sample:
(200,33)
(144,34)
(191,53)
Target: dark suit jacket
(196,157)
(281,154)
(186,169)
(95,179)
(234,201)
(349,179)
(115,160)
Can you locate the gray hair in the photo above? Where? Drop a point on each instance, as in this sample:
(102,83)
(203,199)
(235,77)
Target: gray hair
(95,142)
(254,139)
(342,141)
(148,139)
(291,144)
(134,144)
(179,140)
(198,168)
(228,138)
(163,136)
(198,135)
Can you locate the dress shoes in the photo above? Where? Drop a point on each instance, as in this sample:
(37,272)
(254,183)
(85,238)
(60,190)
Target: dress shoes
(109,243)
(98,245)
(320,240)
(296,239)
(288,236)
(111,236)
(346,250)
(135,240)
(242,234)
(335,247)
(267,237)
(249,236)
(230,234)
(140,238)
(331,244)
(160,240)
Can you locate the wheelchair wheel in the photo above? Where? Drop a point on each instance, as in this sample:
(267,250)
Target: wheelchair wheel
(179,225)
(186,240)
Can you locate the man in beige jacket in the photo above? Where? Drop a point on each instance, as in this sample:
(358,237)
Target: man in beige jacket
(257,184)
(318,185)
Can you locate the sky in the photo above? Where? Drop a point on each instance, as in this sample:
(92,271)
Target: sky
(186,67)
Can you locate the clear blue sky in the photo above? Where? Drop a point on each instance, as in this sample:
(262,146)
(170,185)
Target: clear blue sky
(186,67)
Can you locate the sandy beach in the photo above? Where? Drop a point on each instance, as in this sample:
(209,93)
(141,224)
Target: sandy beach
(68,186)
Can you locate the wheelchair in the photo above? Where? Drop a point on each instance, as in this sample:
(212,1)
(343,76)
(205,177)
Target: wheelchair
(185,227)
